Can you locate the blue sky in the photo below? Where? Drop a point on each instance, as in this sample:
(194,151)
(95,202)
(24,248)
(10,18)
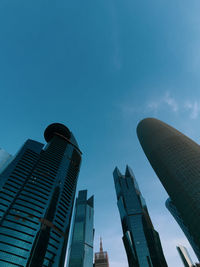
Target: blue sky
(100,66)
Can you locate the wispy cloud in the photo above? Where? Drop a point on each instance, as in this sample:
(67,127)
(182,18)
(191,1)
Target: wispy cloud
(194,108)
(167,99)
(163,104)
(170,101)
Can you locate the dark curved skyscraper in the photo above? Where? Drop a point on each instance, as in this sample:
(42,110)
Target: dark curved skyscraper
(37,192)
(176,160)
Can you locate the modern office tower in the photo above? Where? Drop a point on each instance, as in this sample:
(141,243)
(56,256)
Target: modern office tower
(37,192)
(5,159)
(176,160)
(141,241)
(81,244)
(101,257)
(177,216)
(185,257)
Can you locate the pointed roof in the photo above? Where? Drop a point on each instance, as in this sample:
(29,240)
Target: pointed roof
(90,201)
(117,171)
(101,246)
(129,172)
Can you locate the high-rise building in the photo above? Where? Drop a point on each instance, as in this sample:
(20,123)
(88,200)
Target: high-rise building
(185,257)
(176,160)
(141,241)
(37,192)
(101,257)
(81,243)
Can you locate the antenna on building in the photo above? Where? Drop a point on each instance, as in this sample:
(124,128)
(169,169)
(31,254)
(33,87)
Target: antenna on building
(101,246)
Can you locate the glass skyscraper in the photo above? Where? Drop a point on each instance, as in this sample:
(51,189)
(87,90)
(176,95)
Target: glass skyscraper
(141,241)
(101,257)
(176,160)
(81,244)
(37,192)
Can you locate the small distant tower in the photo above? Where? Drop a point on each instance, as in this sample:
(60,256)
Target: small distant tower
(185,257)
(101,257)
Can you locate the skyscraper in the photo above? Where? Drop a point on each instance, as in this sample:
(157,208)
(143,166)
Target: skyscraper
(185,257)
(101,257)
(176,160)
(37,191)
(141,241)
(81,244)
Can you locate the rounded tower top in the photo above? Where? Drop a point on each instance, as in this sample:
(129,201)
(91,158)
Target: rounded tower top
(147,124)
(54,128)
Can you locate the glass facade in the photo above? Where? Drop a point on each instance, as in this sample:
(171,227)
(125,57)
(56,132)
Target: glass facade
(81,244)
(141,241)
(176,160)
(37,192)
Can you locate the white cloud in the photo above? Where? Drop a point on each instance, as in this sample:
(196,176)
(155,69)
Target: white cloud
(194,108)
(165,104)
(167,99)
(170,101)
(154,105)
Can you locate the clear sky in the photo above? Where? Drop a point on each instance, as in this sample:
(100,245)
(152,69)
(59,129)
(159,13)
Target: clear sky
(100,66)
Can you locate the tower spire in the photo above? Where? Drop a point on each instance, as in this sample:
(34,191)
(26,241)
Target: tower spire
(101,257)
(101,246)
